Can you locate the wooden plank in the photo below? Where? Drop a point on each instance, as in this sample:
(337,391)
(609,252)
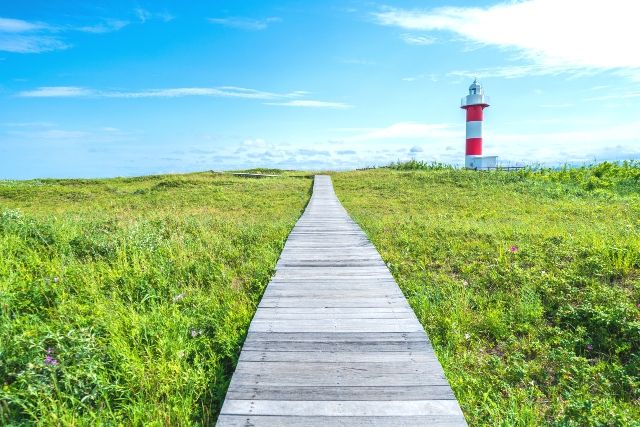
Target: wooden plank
(353,379)
(336,357)
(339,336)
(334,341)
(355,325)
(336,346)
(314,393)
(360,368)
(350,421)
(397,408)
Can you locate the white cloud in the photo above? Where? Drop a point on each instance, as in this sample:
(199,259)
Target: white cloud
(223,91)
(8,25)
(511,72)
(408,130)
(56,92)
(107,26)
(19,36)
(430,76)
(284,99)
(617,95)
(16,43)
(145,15)
(142,14)
(418,40)
(245,23)
(568,35)
(308,103)
(51,132)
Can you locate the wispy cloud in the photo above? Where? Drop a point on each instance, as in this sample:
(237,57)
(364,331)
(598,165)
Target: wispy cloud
(245,23)
(52,132)
(308,103)
(17,43)
(614,96)
(430,76)
(417,39)
(538,31)
(108,26)
(513,72)
(56,92)
(8,25)
(19,36)
(408,130)
(145,15)
(221,92)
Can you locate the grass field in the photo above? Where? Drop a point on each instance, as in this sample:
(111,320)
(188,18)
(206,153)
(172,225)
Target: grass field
(528,283)
(126,301)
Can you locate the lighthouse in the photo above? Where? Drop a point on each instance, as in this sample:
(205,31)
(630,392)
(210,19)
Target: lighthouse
(474,104)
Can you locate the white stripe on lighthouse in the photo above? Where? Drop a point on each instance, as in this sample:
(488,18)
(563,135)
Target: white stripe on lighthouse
(474,129)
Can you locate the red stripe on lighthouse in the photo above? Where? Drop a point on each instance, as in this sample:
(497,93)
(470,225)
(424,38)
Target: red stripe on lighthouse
(474,147)
(474,113)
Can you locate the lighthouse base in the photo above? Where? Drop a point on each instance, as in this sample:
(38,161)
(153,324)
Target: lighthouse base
(481,162)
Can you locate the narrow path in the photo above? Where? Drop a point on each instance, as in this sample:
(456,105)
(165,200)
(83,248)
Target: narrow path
(334,342)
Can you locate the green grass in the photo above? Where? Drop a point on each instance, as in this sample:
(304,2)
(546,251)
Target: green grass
(528,283)
(126,301)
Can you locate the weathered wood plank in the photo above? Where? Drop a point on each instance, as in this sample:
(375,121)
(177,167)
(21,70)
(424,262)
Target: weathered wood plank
(315,393)
(339,336)
(397,408)
(360,368)
(350,421)
(336,357)
(336,346)
(354,379)
(334,341)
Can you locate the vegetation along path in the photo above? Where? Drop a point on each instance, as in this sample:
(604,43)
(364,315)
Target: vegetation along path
(334,341)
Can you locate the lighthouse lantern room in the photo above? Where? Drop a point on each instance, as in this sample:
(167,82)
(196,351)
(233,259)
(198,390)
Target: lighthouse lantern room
(474,104)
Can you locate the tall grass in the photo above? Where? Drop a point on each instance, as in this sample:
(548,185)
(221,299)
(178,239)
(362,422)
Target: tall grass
(126,301)
(527,282)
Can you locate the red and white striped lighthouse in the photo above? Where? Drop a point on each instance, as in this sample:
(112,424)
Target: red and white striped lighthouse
(474,104)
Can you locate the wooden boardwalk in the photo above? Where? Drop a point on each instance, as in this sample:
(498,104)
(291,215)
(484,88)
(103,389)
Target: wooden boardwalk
(334,342)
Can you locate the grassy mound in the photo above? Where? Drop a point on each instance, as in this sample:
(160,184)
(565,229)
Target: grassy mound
(527,282)
(125,301)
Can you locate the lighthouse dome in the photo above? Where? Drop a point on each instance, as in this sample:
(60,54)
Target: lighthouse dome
(475,88)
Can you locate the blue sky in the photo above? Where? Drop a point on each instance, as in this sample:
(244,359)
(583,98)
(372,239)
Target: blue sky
(124,87)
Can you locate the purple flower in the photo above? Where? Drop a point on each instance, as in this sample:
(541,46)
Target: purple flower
(514,249)
(50,360)
(638,305)
(589,347)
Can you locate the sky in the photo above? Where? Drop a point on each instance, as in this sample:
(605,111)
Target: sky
(128,87)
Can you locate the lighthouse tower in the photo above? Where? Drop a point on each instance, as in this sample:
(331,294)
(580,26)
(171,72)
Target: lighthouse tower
(474,104)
